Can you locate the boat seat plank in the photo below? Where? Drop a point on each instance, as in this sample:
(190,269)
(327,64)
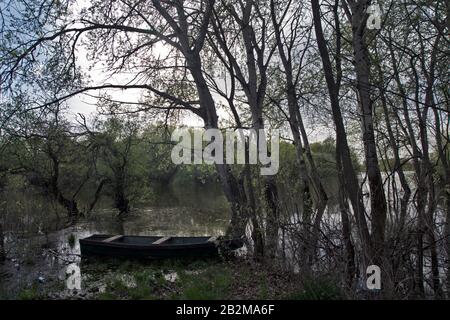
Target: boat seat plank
(113,238)
(161,240)
(212,239)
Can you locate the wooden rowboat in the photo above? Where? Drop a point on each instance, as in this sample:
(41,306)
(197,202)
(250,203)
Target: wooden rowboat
(154,246)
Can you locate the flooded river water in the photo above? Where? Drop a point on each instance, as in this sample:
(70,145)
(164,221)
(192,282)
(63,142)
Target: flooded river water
(53,259)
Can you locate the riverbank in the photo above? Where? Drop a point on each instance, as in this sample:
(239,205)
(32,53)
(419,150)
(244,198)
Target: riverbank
(238,278)
(49,266)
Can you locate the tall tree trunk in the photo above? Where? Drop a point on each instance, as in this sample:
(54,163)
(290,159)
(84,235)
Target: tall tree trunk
(248,191)
(350,178)
(254,87)
(362,66)
(350,268)
(255,97)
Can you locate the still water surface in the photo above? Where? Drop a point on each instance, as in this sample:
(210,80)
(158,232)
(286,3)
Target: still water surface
(54,257)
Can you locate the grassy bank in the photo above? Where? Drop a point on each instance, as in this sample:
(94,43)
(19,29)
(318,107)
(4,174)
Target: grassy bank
(178,279)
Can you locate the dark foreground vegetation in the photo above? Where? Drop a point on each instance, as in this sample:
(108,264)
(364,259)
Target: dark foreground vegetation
(180,279)
(375,190)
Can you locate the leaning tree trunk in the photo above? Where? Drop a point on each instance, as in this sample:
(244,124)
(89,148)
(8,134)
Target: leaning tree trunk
(96,195)
(240,211)
(319,190)
(121,201)
(69,204)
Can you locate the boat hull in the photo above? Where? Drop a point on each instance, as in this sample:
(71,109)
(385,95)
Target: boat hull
(143,247)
